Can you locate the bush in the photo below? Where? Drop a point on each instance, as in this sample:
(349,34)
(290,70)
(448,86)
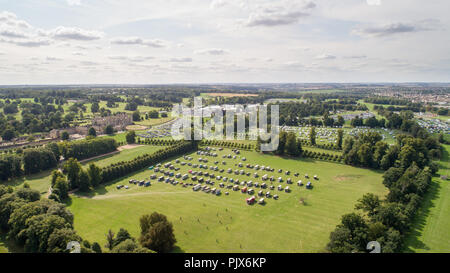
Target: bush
(131,137)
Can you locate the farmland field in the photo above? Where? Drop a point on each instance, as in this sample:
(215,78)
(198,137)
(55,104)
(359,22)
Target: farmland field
(208,223)
(431,228)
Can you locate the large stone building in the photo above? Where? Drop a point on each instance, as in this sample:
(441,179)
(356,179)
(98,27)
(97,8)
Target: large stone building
(119,121)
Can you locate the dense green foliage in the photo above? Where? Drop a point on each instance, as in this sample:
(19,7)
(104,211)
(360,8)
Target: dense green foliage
(157,233)
(37,225)
(407,178)
(87,148)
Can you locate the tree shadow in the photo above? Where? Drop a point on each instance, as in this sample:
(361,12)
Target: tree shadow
(177,249)
(9,244)
(94,160)
(420,220)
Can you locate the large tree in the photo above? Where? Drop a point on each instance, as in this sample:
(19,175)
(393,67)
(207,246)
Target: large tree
(131,137)
(312,136)
(95,175)
(157,233)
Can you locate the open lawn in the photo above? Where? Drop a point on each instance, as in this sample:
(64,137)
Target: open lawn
(124,155)
(208,223)
(431,228)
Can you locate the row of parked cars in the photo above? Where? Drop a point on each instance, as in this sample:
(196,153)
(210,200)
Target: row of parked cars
(207,189)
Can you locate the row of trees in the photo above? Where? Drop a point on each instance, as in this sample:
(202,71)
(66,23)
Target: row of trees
(158,141)
(322,156)
(35,160)
(403,121)
(29,161)
(294,113)
(367,150)
(385,221)
(226,144)
(371,122)
(408,177)
(10,167)
(87,148)
(288,144)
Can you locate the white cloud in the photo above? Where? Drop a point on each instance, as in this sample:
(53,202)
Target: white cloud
(74,33)
(74,2)
(212,51)
(32,42)
(325,57)
(180,60)
(12,33)
(53,59)
(395,28)
(373,2)
(217,4)
(276,15)
(134,59)
(20,33)
(157,43)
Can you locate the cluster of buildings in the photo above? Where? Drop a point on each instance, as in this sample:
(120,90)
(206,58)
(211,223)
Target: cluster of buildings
(162,130)
(179,109)
(363,115)
(434,126)
(435,98)
(119,122)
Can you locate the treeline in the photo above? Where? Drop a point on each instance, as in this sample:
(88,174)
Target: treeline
(325,146)
(293,114)
(73,176)
(386,221)
(35,160)
(367,150)
(288,144)
(322,156)
(403,121)
(158,141)
(87,148)
(371,122)
(226,144)
(40,159)
(29,161)
(123,168)
(34,224)
(10,166)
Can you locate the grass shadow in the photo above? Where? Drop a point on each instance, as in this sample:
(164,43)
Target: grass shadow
(420,220)
(178,249)
(428,202)
(87,162)
(9,244)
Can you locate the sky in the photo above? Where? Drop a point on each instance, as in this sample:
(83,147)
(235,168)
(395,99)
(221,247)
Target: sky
(223,41)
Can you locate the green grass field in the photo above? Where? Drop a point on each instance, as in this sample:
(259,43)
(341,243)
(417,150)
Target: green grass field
(207,223)
(124,155)
(431,228)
